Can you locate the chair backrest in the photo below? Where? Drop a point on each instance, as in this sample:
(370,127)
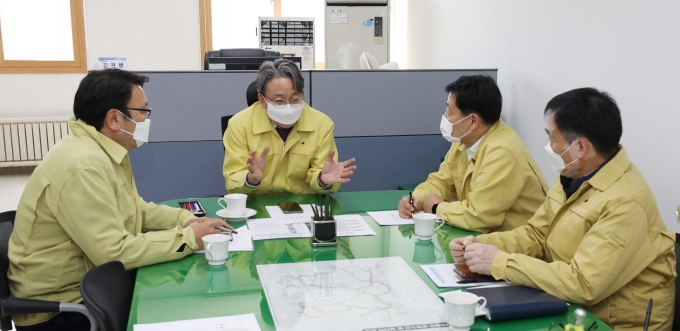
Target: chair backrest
(107,292)
(225,123)
(251,93)
(676,318)
(6,228)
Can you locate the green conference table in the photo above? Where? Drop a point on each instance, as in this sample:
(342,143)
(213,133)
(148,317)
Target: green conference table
(189,289)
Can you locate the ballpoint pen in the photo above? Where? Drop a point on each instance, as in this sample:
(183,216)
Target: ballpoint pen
(223,229)
(649,313)
(410,200)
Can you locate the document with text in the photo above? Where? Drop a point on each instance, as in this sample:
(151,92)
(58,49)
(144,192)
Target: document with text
(443,276)
(245,322)
(390,217)
(279,217)
(241,242)
(267,228)
(352,225)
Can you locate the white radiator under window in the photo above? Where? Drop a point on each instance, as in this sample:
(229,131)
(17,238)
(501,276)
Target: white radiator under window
(26,141)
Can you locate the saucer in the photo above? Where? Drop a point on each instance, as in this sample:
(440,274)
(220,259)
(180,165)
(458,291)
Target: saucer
(225,214)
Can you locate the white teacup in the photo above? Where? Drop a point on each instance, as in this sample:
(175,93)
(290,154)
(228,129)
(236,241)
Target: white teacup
(216,248)
(424,225)
(235,203)
(460,309)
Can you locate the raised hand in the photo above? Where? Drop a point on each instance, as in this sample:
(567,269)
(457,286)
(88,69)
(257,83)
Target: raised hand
(336,172)
(256,166)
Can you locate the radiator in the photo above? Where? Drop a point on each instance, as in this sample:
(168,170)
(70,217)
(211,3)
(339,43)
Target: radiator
(25,141)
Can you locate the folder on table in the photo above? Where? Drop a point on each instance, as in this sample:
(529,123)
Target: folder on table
(518,302)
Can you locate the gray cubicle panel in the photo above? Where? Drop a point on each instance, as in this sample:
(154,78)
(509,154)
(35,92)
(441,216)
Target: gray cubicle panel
(188,105)
(385,102)
(392,129)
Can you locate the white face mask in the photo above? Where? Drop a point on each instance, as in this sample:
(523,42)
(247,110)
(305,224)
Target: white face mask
(287,115)
(447,128)
(141,134)
(556,161)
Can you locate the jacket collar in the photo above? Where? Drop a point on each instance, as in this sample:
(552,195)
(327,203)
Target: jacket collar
(611,171)
(494,127)
(262,123)
(81,129)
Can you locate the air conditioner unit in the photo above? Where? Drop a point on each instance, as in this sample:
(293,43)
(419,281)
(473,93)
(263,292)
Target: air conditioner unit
(291,36)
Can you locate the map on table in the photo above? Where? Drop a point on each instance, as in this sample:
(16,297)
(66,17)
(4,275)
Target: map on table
(361,294)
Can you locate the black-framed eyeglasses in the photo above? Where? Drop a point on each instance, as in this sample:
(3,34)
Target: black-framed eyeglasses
(147,111)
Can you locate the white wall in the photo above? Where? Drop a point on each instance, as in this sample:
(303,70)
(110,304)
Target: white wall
(152,34)
(543,48)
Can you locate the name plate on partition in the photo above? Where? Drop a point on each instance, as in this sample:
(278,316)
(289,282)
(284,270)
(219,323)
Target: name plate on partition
(113,63)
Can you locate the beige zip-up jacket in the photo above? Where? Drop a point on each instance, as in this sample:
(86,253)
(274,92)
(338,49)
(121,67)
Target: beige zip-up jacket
(293,166)
(498,189)
(605,248)
(80,208)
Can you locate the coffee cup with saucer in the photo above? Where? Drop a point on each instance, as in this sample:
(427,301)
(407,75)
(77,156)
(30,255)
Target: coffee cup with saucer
(225,213)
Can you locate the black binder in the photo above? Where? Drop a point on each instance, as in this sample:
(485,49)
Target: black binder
(518,302)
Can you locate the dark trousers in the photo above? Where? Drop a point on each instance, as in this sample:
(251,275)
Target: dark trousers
(65,321)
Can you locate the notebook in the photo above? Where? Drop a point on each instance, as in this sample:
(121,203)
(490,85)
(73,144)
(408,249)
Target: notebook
(518,302)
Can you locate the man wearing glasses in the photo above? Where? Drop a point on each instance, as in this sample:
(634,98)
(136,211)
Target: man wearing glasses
(280,144)
(80,208)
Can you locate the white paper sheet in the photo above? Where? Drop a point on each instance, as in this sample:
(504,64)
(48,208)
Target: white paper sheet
(443,276)
(242,241)
(390,217)
(266,228)
(245,322)
(352,225)
(276,214)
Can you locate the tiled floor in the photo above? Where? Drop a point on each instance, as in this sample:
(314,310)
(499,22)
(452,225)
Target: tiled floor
(11,187)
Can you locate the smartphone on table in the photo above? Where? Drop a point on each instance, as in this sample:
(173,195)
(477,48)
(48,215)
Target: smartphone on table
(290,207)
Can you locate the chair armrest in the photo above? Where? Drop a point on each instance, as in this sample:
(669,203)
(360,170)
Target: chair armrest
(15,306)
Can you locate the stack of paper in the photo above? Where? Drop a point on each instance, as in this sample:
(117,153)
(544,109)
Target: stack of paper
(267,228)
(276,214)
(246,322)
(241,241)
(443,276)
(390,217)
(352,225)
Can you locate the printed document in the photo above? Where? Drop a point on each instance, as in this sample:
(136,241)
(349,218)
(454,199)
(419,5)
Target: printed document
(390,217)
(246,322)
(267,228)
(241,242)
(280,217)
(443,276)
(352,225)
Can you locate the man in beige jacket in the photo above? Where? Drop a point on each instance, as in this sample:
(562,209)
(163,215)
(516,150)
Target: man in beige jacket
(80,208)
(488,181)
(598,240)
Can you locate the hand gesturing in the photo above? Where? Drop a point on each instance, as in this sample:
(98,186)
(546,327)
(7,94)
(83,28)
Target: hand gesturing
(336,172)
(256,166)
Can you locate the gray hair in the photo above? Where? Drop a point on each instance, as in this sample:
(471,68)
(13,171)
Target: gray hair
(279,68)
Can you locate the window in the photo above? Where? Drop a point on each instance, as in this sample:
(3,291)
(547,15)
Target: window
(42,36)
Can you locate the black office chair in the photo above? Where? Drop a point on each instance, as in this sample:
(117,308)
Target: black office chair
(676,318)
(251,93)
(10,306)
(239,52)
(107,291)
(251,98)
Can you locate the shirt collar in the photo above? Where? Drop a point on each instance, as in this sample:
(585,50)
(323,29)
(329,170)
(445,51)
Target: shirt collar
(570,186)
(115,151)
(471,151)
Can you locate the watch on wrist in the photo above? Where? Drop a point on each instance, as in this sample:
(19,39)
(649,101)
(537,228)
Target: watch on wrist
(434,208)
